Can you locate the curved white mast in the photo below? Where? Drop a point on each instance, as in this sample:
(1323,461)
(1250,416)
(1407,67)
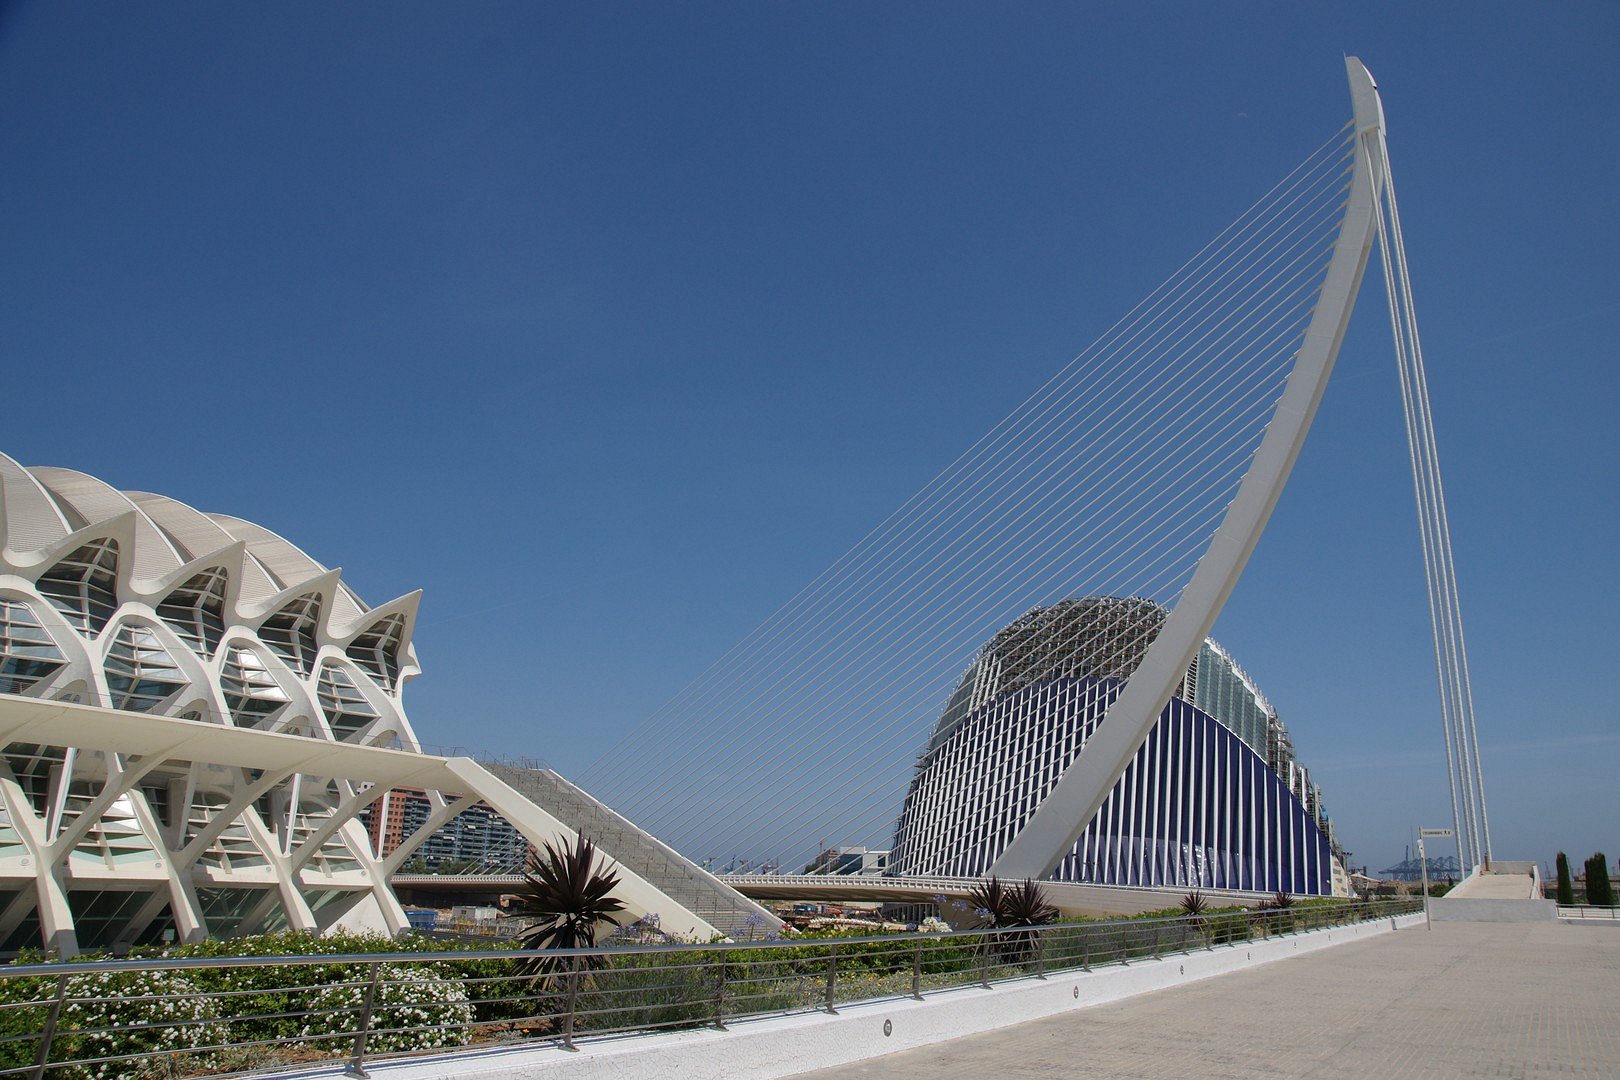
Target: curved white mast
(1056,824)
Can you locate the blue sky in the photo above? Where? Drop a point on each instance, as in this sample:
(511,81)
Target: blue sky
(611,326)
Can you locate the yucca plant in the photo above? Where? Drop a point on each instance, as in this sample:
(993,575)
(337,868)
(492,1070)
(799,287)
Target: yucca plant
(566,898)
(1000,907)
(1194,905)
(1281,918)
(1025,904)
(988,898)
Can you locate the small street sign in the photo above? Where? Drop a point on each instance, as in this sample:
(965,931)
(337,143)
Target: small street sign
(1435,832)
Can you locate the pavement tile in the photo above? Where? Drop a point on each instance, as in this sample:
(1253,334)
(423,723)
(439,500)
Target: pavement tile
(1462,999)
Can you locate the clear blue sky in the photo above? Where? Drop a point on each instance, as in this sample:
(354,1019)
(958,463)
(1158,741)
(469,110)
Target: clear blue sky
(610,326)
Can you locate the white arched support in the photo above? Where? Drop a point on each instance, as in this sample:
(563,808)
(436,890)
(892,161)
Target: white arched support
(1051,831)
(121,780)
(204,754)
(55,915)
(641,897)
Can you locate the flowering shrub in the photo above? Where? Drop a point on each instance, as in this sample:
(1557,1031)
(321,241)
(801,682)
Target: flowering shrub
(291,989)
(434,1010)
(933,925)
(122,999)
(104,1016)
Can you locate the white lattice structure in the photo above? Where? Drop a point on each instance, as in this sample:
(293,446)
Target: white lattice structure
(194,714)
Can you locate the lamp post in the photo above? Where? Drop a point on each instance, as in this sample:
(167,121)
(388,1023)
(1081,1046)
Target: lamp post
(1423,861)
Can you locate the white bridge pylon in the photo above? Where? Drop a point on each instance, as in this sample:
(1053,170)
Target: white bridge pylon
(1051,831)
(1142,471)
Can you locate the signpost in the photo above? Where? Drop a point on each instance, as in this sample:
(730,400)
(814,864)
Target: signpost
(1423,861)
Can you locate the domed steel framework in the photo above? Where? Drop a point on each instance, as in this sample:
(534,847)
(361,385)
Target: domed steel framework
(1213,798)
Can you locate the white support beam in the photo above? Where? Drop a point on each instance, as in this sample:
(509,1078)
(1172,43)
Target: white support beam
(120,781)
(224,817)
(641,897)
(55,914)
(349,807)
(152,738)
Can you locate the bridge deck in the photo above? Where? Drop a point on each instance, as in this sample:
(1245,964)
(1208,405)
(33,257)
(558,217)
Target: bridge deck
(1465,999)
(1071,899)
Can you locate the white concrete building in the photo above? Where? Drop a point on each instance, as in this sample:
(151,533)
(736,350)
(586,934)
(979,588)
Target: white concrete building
(193,715)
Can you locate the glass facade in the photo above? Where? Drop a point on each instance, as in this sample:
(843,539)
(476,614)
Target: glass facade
(83,586)
(141,673)
(346,708)
(377,651)
(196,611)
(27,653)
(290,632)
(252,694)
(1202,804)
(1220,688)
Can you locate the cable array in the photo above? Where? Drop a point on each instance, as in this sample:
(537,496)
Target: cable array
(1464,774)
(1107,480)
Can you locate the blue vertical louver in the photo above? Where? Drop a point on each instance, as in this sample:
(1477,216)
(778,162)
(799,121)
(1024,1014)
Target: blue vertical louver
(1197,807)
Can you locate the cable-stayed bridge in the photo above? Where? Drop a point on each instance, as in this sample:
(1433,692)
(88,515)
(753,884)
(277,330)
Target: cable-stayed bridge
(1141,476)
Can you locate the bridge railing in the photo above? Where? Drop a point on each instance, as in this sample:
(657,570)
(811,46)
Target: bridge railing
(197,1016)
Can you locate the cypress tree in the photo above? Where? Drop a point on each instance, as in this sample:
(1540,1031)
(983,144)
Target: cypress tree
(1599,891)
(1566,887)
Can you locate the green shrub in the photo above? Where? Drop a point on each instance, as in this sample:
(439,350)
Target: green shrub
(102,1017)
(1599,890)
(646,990)
(1566,885)
(493,986)
(409,998)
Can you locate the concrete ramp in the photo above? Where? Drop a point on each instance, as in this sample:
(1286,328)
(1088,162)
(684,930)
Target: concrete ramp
(719,904)
(1498,885)
(1507,892)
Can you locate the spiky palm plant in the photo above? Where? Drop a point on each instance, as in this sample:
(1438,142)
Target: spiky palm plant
(1025,904)
(1281,919)
(1194,905)
(1001,907)
(988,898)
(565,897)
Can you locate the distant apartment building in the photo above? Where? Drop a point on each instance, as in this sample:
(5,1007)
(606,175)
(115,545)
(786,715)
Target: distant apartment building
(476,836)
(848,860)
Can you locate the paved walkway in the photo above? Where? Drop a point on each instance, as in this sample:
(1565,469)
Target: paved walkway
(1463,999)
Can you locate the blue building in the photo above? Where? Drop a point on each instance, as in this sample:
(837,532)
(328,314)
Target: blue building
(1214,797)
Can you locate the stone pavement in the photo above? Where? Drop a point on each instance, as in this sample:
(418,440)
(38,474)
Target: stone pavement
(1463,999)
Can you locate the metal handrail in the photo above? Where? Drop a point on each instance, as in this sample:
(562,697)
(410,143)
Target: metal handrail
(214,1013)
